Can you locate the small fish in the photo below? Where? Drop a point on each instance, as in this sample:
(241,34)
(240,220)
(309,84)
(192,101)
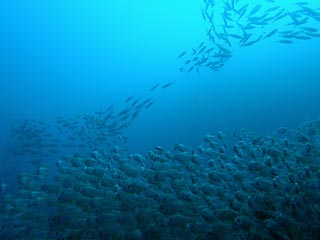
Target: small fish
(202,49)
(249,43)
(147,100)
(182,54)
(228,26)
(273,9)
(301,3)
(135,114)
(285,32)
(235,36)
(159,148)
(124,111)
(203,15)
(4,187)
(201,44)
(139,106)
(279,16)
(281,130)
(309,29)
(249,27)
(255,9)
(209,50)
(190,69)
(154,87)
(150,104)
(125,117)
(271,33)
(313,34)
(243,9)
(285,41)
(110,107)
(167,85)
(302,37)
(223,49)
(129,98)
(135,102)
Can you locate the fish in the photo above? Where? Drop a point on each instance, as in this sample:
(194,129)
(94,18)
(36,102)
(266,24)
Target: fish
(201,44)
(301,3)
(209,50)
(150,104)
(310,29)
(110,107)
(302,37)
(285,41)
(242,11)
(137,100)
(255,9)
(124,111)
(223,48)
(313,34)
(147,100)
(129,98)
(270,34)
(124,117)
(190,69)
(203,14)
(182,54)
(249,43)
(4,187)
(273,9)
(167,85)
(235,36)
(279,16)
(154,87)
(109,192)
(202,49)
(135,114)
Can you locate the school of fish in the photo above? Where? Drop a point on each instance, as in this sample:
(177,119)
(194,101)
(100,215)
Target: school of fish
(232,24)
(246,186)
(83,133)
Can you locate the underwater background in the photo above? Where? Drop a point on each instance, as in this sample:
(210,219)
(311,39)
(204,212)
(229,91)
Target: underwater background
(116,81)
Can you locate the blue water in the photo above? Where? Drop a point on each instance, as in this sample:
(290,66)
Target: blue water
(71,57)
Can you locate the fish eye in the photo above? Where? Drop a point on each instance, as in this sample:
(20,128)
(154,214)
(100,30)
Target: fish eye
(195,211)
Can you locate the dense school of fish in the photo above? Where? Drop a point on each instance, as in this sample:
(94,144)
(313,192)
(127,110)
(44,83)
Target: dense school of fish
(247,186)
(84,132)
(237,23)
